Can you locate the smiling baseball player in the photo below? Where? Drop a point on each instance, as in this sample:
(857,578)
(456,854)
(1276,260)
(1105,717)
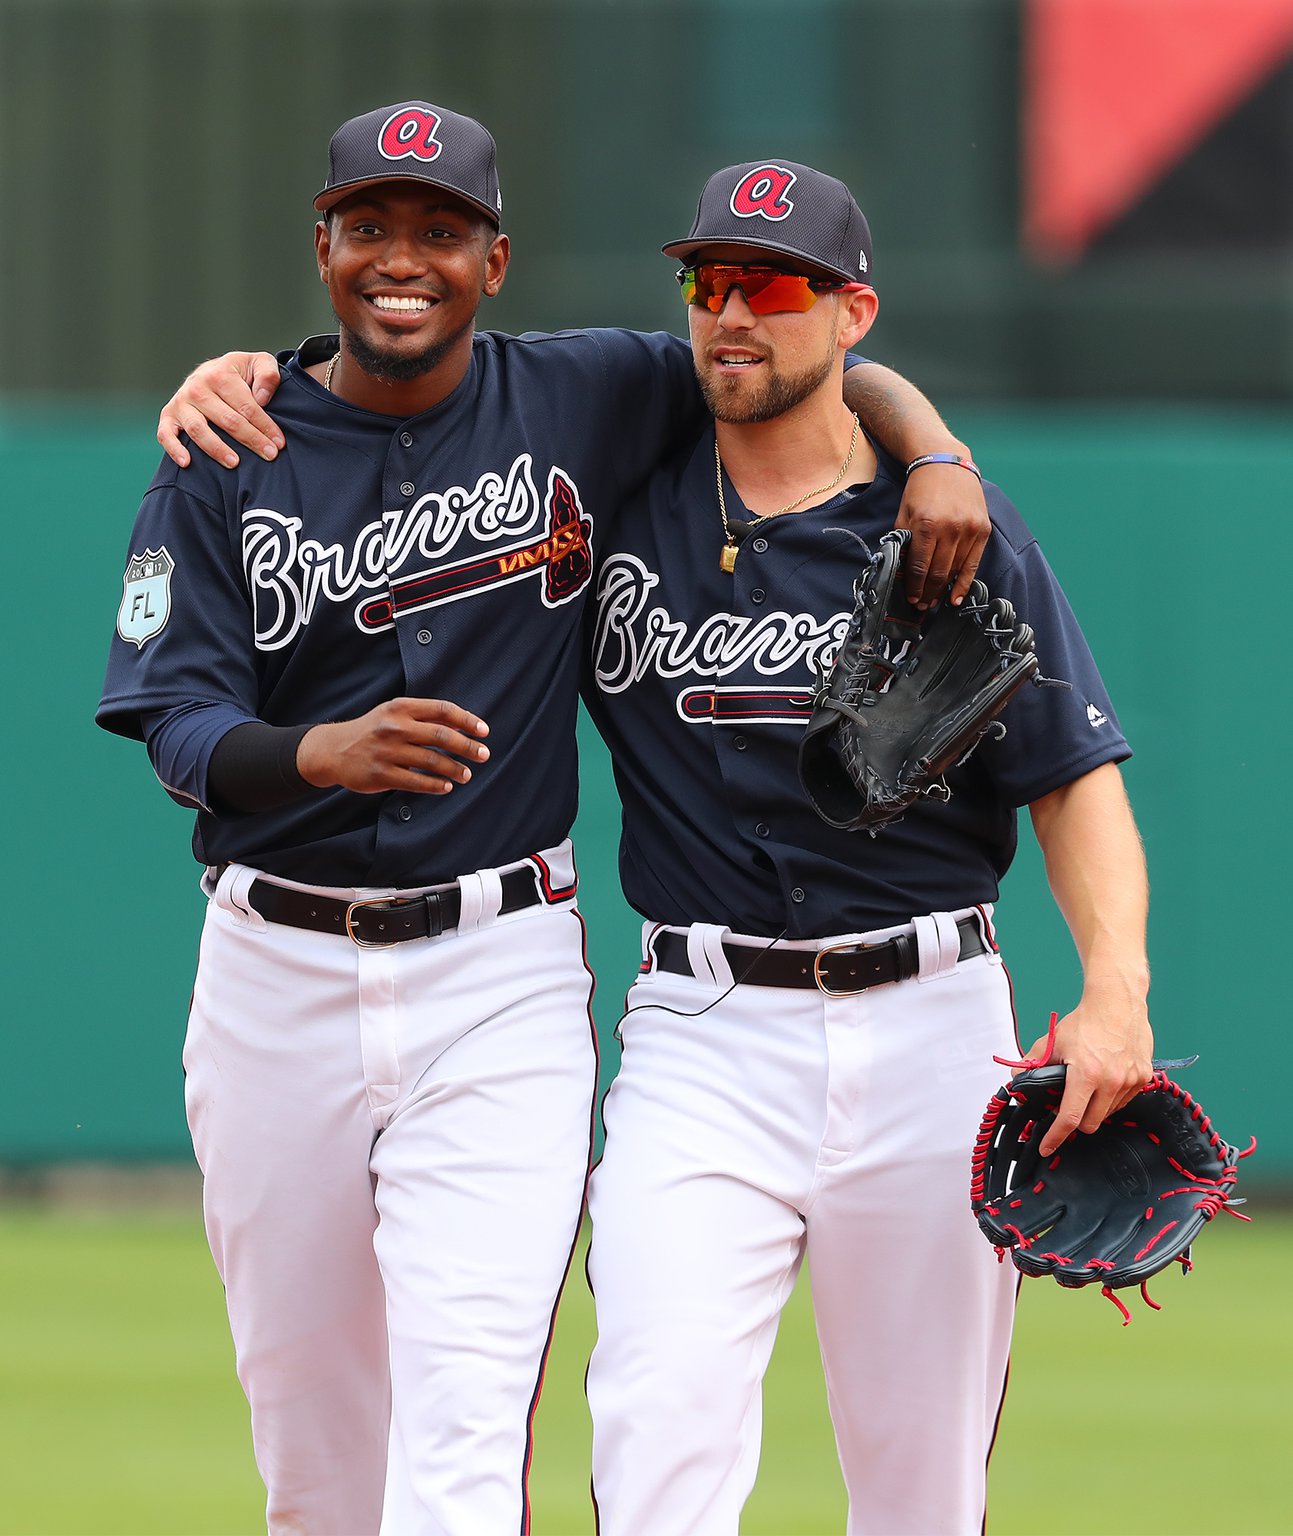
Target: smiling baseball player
(390,1065)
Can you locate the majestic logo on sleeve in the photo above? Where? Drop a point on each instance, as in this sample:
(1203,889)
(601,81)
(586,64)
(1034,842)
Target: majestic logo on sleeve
(634,637)
(410,133)
(146,596)
(763,193)
(400,562)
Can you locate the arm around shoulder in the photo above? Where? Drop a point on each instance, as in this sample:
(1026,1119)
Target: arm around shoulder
(943,503)
(226,392)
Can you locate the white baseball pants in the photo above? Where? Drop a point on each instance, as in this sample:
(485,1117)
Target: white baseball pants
(395,1145)
(783,1124)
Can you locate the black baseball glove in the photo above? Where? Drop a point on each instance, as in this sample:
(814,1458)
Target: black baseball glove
(1110,1208)
(910,695)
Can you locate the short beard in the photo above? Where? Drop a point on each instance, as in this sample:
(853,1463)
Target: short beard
(778,393)
(399,368)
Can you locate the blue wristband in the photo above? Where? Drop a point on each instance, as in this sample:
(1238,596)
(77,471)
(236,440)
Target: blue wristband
(946,458)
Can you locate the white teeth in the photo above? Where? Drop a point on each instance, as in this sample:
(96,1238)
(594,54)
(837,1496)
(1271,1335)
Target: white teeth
(403,306)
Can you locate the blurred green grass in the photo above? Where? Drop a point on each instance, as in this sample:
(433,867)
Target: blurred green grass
(120,1414)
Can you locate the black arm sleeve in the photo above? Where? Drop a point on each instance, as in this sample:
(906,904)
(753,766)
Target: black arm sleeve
(253,767)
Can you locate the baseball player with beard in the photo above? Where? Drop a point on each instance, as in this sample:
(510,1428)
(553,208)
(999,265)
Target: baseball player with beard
(810,1043)
(390,1064)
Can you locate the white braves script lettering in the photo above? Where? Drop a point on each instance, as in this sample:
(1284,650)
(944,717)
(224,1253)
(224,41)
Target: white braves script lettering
(288,576)
(632,639)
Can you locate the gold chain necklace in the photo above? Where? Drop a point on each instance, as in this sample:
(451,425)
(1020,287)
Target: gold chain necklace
(727,557)
(327,377)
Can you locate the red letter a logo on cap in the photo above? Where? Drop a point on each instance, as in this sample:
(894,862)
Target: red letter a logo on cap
(410,131)
(763,192)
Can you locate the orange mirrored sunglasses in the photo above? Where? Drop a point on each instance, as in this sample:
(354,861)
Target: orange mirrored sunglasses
(766,289)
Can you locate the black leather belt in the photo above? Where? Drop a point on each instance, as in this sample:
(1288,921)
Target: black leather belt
(382,919)
(838,970)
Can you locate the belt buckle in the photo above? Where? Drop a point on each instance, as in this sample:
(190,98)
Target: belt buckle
(834,949)
(351,932)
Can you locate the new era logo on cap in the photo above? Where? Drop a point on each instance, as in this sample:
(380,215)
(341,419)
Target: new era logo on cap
(786,208)
(414,141)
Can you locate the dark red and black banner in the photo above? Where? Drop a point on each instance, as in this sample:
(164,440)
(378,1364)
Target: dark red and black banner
(1155,124)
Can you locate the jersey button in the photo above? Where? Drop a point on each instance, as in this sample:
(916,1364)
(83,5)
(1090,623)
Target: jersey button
(424,637)
(407,439)
(762,829)
(740,743)
(757,595)
(407,488)
(797,894)
(406,813)
(759,545)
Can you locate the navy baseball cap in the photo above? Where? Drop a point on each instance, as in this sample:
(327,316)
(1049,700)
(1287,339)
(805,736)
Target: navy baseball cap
(414,141)
(786,209)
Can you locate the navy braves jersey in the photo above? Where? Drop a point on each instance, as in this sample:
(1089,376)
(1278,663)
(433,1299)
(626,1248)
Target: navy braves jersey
(700,682)
(444,556)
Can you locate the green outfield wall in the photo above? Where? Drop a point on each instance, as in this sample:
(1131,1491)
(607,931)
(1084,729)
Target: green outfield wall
(1172,532)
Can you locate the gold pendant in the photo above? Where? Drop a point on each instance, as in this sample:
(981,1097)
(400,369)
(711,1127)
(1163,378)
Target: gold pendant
(727,559)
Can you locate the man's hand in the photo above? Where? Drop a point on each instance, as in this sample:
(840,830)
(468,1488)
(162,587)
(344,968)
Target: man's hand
(943,504)
(1096,868)
(416,745)
(944,507)
(1108,1046)
(228,393)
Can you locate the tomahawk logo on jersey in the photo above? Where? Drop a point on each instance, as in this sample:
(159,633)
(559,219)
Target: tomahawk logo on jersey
(289,573)
(717,682)
(423,558)
(632,637)
(562,555)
